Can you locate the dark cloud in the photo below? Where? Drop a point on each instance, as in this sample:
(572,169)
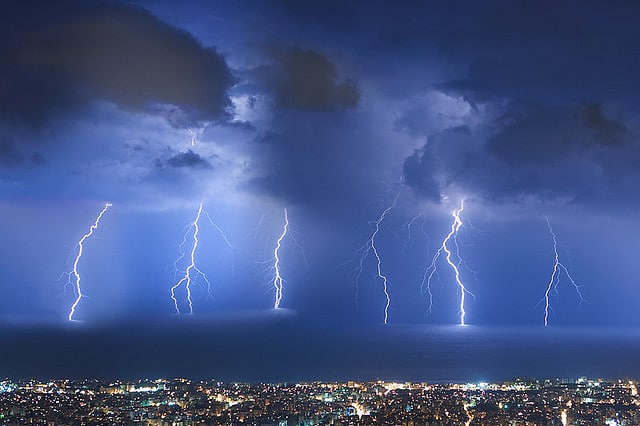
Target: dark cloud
(604,131)
(86,51)
(537,79)
(306,156)
(473,91)
(186,159)
(175,116)
(546,135)
(306,79)
(541,51)
(573,154)
(11,156)
(417,175)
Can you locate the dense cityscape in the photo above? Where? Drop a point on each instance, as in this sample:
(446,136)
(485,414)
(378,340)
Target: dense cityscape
(184,402)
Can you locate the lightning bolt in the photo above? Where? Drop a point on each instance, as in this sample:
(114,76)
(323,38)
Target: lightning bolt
(408,226)
(363,252)
(425,285)
(455,266)
(381,275)
(232,248)
(555,276)
(74,271)
(278,281)
(192,271)
(255,232)
(195,133)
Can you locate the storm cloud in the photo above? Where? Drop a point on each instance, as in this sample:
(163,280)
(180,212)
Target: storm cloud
(184,160)
(572,154)
(306,79)
(89,51)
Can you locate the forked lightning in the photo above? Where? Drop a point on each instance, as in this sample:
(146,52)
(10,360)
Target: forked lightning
(192,272)
(74,271)
(555,276)
(278,281)
(455,266)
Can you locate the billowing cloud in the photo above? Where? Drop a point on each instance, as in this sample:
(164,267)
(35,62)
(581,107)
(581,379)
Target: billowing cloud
(306,79)
(112,52)
(570,154)
(186,159)
(306,128)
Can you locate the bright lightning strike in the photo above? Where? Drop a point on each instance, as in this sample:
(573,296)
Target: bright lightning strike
(74,272)
(192,272)
(274,270)
(278,281)
(381,275)
(187,278)
(363,252)
(431,270)
(555,276)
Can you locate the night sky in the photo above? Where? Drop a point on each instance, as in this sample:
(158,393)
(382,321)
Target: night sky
(334,111)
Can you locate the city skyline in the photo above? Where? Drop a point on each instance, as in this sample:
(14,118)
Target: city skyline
(579,401)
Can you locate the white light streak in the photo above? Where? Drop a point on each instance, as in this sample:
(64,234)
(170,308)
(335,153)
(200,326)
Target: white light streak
(278,281)
(555,276)
(455,266)
(186,278)
(381,275)
(76,274)
(363,252)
